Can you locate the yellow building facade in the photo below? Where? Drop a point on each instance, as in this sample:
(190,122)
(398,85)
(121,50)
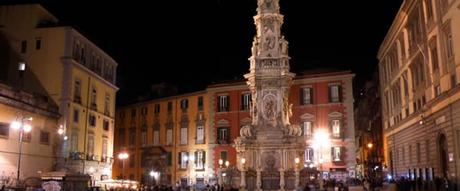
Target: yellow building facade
(168,136)
(77,75)
(37,155)
(419,77)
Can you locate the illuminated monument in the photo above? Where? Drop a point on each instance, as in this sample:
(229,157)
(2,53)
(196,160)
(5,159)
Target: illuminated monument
(269,146)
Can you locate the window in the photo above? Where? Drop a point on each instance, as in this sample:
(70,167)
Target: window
(245,101)
(307,95)
(132,160)
(90,146)
(437,90)
(200,103)
(105,125)
(105,145)
(183,160)
(169,107)
(335,125)
(309,155)
(132,137)
(184,104)
(77,91)
(222,136)
(307,128)
(156,137)
(144,111)
(74,142)
(169,137)
(23,46)
(38,43)
(143,137)
(157,109)
(107,104)
(121,137)
(336,153)
(76,115)
(223,155)
(334,93)
(434,57)
(183,135)
(223,103)
(200,133)
(93,98)
(4,130)
(450,46)
(133,113)
(200,159)
(169,158)
(92,120)
(27,137)
(44,138)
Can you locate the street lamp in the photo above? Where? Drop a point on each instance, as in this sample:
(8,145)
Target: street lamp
(321,140)
(23,126)
(297,179)
(123,156)
(219,181)
(155,175)
(370,145)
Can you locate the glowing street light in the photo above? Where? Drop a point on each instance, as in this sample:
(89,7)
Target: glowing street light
(370,145)
(227,163)
(24,127)
(123,156)
(321,140)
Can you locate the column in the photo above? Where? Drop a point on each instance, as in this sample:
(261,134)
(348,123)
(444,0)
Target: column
(282,183)
(243,180)
(259,180)
(297,179)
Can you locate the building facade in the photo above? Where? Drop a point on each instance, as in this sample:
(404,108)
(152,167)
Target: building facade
(78,76)
(170,129)
(37,152)
(419,75)
(169,136)
(369,131)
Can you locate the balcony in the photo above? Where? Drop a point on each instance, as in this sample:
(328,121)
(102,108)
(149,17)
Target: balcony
(92,157)
(223,141)
(76,155)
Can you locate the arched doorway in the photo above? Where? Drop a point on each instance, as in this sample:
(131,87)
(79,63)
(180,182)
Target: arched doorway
(443,155)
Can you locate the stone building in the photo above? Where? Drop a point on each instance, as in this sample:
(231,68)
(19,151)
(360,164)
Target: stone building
(23,99)
(166,135)
(77,75)
(419,76)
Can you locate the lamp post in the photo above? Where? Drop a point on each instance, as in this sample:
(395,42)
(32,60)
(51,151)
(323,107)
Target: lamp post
(227,164)
(123,156)
(243,174)
(219,180)
(296,169)
(23,125)
(321,140)
(369,159)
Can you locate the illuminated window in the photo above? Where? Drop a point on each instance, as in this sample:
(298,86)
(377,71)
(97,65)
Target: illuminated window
(336,128)
(307,128)
(336,153)
(307,95)
(309,155)
(223,103)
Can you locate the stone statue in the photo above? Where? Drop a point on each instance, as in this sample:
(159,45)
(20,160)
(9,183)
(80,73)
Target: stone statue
(268,4)
(269,42)
(245,131)
(293,130)
(284,46)
(270,109)
(254,48)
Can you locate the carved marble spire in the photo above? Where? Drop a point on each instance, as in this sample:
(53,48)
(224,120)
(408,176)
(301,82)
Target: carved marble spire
(269,78)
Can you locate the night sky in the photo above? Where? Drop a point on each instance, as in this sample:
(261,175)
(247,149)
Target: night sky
(194,43)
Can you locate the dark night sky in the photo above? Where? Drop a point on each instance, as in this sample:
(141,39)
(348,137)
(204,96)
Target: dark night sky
(193,43)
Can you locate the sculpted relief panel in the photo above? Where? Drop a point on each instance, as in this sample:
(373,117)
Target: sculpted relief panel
(270,106)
